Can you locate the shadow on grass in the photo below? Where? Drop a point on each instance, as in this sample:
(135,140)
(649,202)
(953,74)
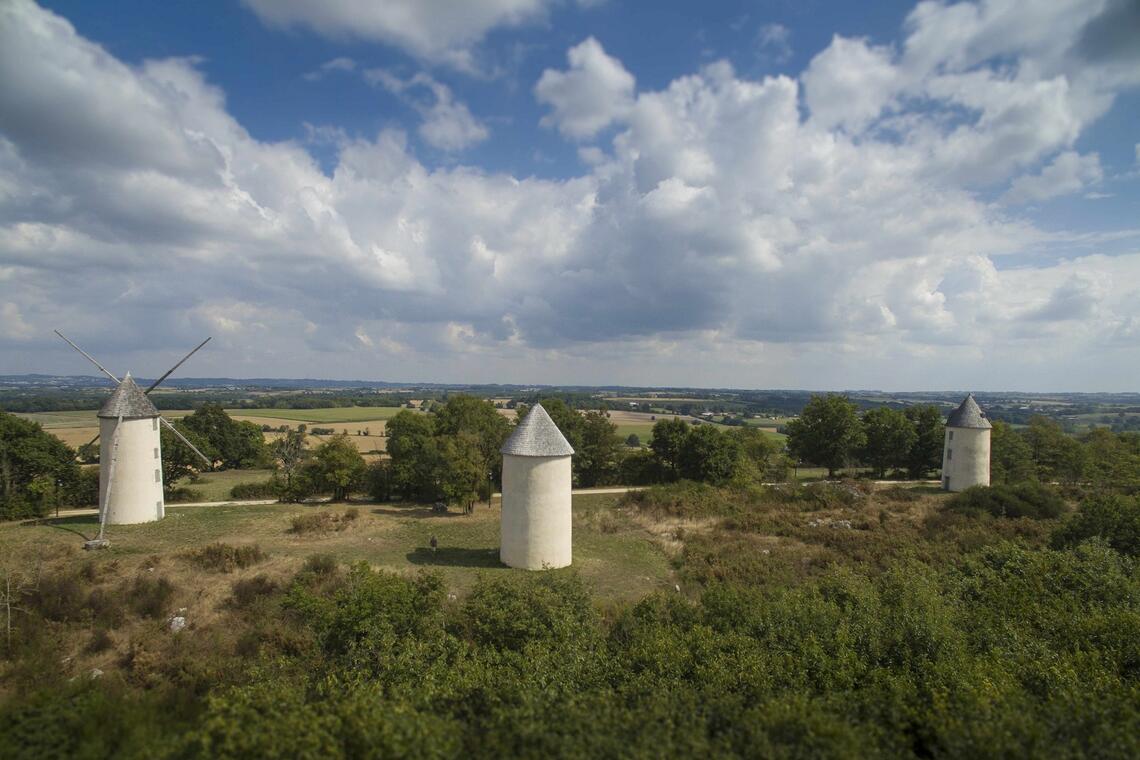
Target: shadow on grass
(69,524)
(451,556)
(416,511)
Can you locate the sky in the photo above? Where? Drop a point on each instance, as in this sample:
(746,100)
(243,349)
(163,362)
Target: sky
(817,194)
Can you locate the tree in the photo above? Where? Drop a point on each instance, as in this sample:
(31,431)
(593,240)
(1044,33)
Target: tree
(888,439)
(463,469)
(1109,460)
(760,456)
(36,468)
(827,432)
(1011,458)
(926,452)
(633,441)
(337,467)
(178,460)
(479,420)
(596,457)
(415,456)
(1057,456)
(290,453)
(667,442)
(234,444)
(710,456)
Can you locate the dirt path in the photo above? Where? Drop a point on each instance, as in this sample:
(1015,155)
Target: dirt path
(582,491)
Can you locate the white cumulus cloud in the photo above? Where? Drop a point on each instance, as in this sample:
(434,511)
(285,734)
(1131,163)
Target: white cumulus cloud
(593,93)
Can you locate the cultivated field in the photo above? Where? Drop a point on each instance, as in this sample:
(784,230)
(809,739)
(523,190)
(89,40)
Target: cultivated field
(77,428)
(322,416)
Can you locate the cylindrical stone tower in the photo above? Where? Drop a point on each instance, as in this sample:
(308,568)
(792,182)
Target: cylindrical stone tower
(536,524)
(966,451)
(130,460)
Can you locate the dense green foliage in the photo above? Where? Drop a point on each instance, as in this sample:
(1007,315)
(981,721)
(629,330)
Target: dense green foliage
(703,453)
(230,443)
(831,434)
(1011,652)
(827,433)
(37,471)
(1021,500)
(1111,518)
(450,454)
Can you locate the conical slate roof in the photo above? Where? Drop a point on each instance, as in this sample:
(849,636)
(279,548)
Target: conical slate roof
(537,436)
(968,415)
(129,402)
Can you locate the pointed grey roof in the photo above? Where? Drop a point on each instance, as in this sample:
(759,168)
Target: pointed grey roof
(128,401)
(968,415)
(537,436)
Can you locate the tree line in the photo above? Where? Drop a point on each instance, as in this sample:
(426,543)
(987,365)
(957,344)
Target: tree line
(831,433)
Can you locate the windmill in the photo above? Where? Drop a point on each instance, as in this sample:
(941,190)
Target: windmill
(130,457)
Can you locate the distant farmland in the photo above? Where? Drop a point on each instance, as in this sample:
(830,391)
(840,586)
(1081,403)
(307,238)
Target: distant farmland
(337,414)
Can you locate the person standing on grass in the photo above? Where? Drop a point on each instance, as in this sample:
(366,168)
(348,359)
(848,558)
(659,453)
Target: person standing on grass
(433,543)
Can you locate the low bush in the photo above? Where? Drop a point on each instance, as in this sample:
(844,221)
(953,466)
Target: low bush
(60,596)
(1113,518)
(265,490)
(183,495)
(319,565)
(1033,500)
(149,596)
(899,495)
(324,521)
(249,590)
(224,558)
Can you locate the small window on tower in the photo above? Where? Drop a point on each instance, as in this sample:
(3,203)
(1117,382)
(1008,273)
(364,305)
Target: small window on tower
(951,435)
(949,454)
(154,422)
(158,476)
(156,452)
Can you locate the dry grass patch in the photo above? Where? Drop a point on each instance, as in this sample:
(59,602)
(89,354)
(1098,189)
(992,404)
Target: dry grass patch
(324,521)
(224,558)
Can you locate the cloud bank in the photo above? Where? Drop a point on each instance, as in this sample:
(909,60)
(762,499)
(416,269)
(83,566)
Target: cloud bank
(827,231)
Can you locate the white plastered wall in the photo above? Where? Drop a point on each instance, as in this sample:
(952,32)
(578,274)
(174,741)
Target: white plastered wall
(965,458)
(536,519)
(137,495)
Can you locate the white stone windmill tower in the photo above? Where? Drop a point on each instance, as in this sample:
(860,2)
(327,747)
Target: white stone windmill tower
(966,451)
(536,525)
(130,454)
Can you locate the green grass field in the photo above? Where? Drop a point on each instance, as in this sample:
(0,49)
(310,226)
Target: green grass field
(618,562)
(338,414)
(215,486)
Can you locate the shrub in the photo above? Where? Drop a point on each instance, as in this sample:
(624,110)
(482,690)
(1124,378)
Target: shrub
(249,590)
(1034,500)
(265,490)
(370,605)
(101,641)
(150,597)
(183,495)
(60,597)
(224,558)
(1116,519)
(320,565)
(899,495)
(508,613)
(322,522)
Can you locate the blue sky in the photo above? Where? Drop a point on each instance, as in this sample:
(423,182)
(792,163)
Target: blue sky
(816,194)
